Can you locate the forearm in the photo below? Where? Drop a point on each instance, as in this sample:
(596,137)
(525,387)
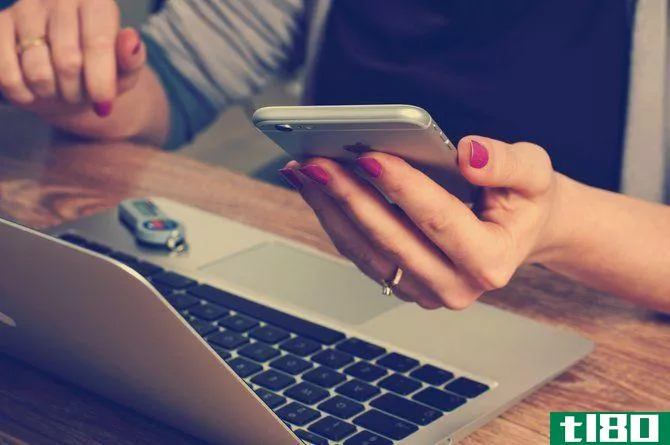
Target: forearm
(612,242)
(140,114)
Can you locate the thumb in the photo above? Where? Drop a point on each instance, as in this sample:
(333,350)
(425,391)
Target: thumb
(524,167)
(131,55)
(130,51)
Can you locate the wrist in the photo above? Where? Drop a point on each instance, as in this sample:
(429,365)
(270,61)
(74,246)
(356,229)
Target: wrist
(560,236)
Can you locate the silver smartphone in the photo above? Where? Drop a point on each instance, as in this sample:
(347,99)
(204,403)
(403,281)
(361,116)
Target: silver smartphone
(344,132)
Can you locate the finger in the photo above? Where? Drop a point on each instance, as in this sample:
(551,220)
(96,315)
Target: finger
(66,50)
(131,58)
(443,218)
(346,237)
(31,23)
(524,167)
(130,51)
(388,231)
(351,243)
(100,26)
(12,85)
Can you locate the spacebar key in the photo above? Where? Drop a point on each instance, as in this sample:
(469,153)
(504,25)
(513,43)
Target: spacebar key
(267,314)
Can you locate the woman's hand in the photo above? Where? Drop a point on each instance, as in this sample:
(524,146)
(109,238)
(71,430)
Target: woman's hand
(61,57)
(450,254)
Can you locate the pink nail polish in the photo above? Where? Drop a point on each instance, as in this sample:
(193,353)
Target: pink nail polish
(291,177)
(370,166)
(316,174)
(103,109)
(137,48)
(479,155)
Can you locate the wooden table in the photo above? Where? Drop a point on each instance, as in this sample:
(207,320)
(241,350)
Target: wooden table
(43,183)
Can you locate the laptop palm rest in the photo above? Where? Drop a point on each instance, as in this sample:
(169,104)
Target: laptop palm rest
(304,280)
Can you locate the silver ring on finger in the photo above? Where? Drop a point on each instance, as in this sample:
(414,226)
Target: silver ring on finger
(389,286)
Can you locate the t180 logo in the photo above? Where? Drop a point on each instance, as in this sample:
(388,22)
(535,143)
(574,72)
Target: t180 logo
(607,428)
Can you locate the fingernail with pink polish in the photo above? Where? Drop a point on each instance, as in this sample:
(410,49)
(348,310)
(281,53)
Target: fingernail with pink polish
(479,155)
(316,174)
(291,177)
(103,109)
(370,166)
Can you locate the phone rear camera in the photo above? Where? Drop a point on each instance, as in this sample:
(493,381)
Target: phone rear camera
(284,127)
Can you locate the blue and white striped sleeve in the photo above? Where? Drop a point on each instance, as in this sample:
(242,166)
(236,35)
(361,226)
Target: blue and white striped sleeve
(210,54)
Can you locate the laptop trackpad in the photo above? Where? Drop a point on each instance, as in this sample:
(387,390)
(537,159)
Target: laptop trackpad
(305,280)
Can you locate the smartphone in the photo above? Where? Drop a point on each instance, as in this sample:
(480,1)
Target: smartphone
(345,132)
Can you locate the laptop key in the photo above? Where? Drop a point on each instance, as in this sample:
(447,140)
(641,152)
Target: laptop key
(357,390)
(361,348)
(385,425)
(467,388)
(269,334)
(173,280)
(297,414)
(365,371)
(332,428)
(259,352)
(124,258)
(208,312)
(341,407)
(146,269)
(180,301)
(238,323)
(367,438)
(201,327)
(222,352)
(400,384)
(300,346)
(243,367)
(332,358)
(74,239)
(441,400)
(273,380)
(165,290)
(310,438)
(271,399)
(398,362)
(324,377)
(306,393)
(228,339)
(290,364)
(269,315)
(432,375)
(406,409)
(99,248)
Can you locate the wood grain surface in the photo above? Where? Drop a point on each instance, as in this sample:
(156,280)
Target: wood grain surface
(45,181)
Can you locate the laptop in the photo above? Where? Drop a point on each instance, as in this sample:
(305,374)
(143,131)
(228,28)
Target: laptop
(252,338)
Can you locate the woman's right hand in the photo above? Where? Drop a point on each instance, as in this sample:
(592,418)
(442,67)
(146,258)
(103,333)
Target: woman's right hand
(86,63)
(450,254)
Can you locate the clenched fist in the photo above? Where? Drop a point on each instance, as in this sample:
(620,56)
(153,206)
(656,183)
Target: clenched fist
(66,56)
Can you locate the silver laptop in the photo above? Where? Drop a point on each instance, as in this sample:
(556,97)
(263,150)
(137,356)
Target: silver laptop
(252,338)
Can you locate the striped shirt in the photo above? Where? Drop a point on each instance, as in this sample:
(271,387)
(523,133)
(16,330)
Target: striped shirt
(211,54)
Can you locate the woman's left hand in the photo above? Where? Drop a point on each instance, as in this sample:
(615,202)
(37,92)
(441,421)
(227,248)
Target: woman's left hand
(449,253)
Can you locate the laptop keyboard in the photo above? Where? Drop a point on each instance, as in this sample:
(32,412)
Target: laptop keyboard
(328,387)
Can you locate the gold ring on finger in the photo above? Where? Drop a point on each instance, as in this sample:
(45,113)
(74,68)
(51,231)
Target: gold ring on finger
(26,44)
